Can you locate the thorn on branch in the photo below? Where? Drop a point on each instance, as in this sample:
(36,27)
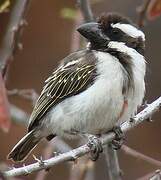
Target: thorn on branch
(26,170)
(20,46)
(132,120)
(40,161)
(23,22)
(149,119)
(56,153)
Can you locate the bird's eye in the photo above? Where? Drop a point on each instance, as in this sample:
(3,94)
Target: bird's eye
(115,31)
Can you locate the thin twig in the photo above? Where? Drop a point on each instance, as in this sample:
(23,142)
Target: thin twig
(85,7)
(75,39)
(80,151)
(48,151)
(81,168)
(13,32)
(29,94)
(18,115)
(142,13)
(57,145)
(139,155)
(112,163)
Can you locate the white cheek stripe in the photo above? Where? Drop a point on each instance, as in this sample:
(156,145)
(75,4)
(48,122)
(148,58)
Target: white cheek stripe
(121,47)
(130,30)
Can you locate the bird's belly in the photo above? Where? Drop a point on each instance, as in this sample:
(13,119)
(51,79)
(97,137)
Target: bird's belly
(94,111)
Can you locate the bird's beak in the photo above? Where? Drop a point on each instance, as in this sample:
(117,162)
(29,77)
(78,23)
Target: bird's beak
(92,32)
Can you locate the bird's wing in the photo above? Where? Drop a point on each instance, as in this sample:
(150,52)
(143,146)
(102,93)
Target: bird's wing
(74,75)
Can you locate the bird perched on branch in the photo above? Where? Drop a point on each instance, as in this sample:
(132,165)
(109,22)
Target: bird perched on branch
(93,90)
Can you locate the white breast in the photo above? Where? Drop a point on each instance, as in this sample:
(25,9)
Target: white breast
(139,67)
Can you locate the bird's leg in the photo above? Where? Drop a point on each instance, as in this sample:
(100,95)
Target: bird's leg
(95,145)
(119,138)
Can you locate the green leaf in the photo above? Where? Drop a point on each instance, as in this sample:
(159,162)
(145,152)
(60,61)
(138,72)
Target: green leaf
(68,13)
(4,4)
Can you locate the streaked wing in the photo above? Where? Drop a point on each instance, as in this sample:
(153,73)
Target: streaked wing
(73,76)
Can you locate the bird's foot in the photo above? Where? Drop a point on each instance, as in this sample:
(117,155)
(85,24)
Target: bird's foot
(96,147)
(119,138)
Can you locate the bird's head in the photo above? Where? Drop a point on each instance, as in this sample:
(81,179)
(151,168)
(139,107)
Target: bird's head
(113,27)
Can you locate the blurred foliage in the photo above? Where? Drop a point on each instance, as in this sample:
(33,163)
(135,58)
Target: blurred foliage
(154,9)
(71,13)
(68,13)
(4,107)
(4,4)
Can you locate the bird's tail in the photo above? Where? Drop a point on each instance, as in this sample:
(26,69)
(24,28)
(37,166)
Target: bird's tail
(22,149)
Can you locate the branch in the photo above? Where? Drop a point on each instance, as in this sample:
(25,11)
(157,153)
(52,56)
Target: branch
(29,94)
(81,169)
(85,7)
(112,163)
(142,12)
(152,176)
(141,156)
(55,144)
(13,32)
(75,39)
(156,176)
(18,115)
(82,150)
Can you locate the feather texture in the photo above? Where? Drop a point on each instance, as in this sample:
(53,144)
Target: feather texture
(69,79)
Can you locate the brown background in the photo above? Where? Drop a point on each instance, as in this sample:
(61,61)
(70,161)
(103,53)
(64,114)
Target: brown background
(46,40)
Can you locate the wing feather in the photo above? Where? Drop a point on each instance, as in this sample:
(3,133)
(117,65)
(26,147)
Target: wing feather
(68,80)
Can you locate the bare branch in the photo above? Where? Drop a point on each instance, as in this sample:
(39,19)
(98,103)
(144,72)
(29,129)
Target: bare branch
(18,115)
(156,176)
(85,7)
(29,94)
(56,144)
(81,169)
(142,12)
(80,151)
(141,156)
(48,151)
(75,39)
(112,163)
(13,32)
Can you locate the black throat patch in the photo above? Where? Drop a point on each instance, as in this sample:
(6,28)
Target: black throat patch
(127,64)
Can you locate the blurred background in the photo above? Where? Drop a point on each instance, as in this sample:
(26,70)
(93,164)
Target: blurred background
(46,40)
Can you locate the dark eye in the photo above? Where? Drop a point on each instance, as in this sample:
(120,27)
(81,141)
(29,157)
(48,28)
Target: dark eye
(115,31)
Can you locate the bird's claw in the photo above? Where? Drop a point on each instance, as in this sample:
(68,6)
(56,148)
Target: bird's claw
(96,147)
(119,138)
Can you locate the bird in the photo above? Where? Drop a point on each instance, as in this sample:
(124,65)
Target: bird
(93,90)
